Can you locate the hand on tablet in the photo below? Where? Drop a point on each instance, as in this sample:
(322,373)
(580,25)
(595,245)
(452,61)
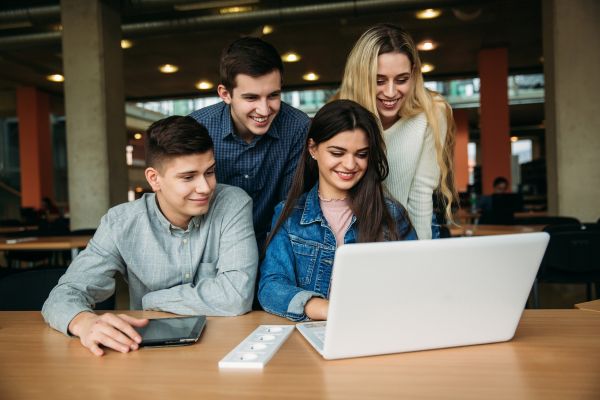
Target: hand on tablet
(110,330)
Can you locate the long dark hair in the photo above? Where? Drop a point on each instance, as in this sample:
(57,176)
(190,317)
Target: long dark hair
(373,220)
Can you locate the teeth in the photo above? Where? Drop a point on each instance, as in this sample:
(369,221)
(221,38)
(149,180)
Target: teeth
(389,103)
(259,119)
(346,173)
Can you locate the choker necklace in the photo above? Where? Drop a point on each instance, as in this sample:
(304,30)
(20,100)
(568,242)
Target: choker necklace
(332,199)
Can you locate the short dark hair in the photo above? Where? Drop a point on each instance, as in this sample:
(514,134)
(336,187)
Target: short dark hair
(499,180)
(249,56)
(175,136)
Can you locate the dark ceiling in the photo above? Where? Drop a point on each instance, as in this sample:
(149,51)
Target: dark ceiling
(323,32)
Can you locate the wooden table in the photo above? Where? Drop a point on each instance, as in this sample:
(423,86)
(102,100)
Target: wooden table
(16,229)
(554,355)
(487,230)
(73,243)
(593,306)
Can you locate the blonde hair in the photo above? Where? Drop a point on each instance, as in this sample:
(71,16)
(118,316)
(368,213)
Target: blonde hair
(360,84)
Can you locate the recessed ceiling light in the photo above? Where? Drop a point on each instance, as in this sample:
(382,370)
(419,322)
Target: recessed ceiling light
(310,76)
(429,13)
(137,136)
(291,57)
(426,67)
(267,29)
(235,10)
(168,68)
(427,45)
(204,85)
(126,44)
(56,78)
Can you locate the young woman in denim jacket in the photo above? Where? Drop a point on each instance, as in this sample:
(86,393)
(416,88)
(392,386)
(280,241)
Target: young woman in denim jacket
(336,198)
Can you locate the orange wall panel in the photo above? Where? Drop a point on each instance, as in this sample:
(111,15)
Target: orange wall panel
(35,146)
(494,117)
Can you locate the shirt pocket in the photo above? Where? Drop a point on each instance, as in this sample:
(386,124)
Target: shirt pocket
(305,254)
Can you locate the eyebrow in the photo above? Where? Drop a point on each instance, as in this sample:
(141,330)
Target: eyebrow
(343,149)
(257,95)
(401,74)
(191,172)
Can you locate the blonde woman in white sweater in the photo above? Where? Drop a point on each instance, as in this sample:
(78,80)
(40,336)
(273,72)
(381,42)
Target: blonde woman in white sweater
(383,74)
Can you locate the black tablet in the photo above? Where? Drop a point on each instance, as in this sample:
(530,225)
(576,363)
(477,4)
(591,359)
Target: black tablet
(176,331)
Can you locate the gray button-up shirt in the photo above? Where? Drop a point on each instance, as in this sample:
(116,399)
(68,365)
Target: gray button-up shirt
(208,269)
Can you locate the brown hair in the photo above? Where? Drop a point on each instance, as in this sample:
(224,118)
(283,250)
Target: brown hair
(249,56)
(175,136)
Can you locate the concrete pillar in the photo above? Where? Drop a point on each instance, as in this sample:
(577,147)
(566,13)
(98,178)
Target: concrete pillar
(494,117)
(572,84)
(461,153)
(35,146)
(94,106)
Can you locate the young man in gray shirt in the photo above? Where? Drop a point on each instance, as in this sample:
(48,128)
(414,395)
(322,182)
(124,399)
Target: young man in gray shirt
(188,248)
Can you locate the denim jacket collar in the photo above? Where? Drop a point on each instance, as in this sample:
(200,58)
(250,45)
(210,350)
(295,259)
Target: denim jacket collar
(312,209)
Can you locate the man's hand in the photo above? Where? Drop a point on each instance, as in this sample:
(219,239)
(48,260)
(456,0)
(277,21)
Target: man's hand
(316,308)
(110,330)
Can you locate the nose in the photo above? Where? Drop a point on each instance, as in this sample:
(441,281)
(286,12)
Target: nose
(348,162)
(390,89)
(262,108)
(202,185)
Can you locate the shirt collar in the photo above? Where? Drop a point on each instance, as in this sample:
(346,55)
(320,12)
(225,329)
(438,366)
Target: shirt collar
(165,223)
(312,209)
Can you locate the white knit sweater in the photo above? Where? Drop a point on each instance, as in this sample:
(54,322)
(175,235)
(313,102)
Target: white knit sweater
(414,172)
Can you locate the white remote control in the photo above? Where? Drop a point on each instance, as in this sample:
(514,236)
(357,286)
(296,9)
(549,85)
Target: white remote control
(258,348)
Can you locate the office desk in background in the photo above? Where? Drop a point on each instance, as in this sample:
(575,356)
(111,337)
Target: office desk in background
(73,243)
(488,230)
(554,355)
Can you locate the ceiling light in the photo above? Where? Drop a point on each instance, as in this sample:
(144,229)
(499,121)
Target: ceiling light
(310,76)
(56,78)
(168,68)
(137,136)
(426,67)
(126,44)
(235,10)
(427,45)
(429,13)
(204,85)
(514,138)
(267,29)
(291,57)
(205,5)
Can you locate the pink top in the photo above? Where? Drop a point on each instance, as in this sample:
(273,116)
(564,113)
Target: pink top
(339,215)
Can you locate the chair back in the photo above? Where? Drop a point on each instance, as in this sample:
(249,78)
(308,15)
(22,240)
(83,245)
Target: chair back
(572,256)
(547,221)
(27,290)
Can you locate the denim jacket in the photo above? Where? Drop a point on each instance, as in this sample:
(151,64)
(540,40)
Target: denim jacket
(299,260)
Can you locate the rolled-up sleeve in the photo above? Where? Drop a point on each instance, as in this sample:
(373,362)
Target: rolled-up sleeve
(89,279)
(278,292)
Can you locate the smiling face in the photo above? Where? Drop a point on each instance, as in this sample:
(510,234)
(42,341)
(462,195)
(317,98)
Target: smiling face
(254,102)
(393,85)
(342,162)
(184,186)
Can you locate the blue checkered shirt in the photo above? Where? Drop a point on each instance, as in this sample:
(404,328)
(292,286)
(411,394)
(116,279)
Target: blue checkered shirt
(265,167)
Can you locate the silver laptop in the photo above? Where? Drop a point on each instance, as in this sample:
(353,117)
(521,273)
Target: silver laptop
(395,297)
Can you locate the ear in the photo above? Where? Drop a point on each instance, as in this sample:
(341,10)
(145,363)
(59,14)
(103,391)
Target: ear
(224,94)
(312,147)
(152,176)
